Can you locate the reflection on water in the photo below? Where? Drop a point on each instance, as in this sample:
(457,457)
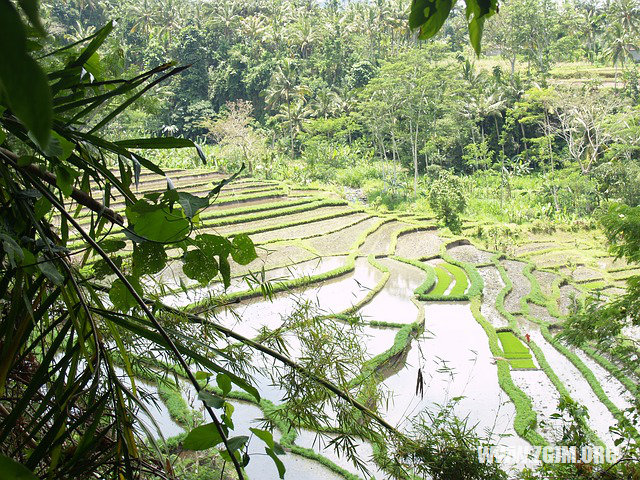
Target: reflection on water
(455,361)
(393,303)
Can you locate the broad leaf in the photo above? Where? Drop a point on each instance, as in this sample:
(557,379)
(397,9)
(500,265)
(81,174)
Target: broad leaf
(244,251)
(429,16)
(264,435)
(236,443)
(110,246)
(148,258)
(65,178)
(121,297)
(210,399)
(199,266)
(12,249)
(48,268)
(161,225)
(191,204)
(22,81)
(12,470)
(213,244)
(224,382)
(202,437)
(277,461)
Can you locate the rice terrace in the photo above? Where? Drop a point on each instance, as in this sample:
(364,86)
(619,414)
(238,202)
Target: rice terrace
(477,324)
(319,240)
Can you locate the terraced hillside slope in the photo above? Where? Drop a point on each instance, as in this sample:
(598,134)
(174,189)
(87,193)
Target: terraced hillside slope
(477,324)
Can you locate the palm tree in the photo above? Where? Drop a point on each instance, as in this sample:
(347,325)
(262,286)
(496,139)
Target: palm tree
(325,103)
(618,47)
(626,13)
(146,16)
(284,90)
(294,116)
(303,35)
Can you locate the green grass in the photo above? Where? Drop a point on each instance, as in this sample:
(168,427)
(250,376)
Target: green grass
(460,277)
(515,351)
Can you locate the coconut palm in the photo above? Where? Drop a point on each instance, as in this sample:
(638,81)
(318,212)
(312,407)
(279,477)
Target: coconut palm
(284,91)
(618,47)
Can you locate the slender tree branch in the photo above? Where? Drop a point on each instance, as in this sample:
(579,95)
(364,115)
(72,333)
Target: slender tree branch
(79,196)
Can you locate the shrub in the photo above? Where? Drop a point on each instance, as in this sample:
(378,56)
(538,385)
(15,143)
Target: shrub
(447,200)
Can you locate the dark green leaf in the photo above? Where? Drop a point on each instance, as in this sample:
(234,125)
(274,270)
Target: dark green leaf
(24,84)
(236,443)
(264,435)
(156,143)
(225,271)
(110,246)
(12,470)
(121,297)
(191,203)
(41,208)
(429,15)
(65,146)
(210,399)
(224,382)
(278,448)
(199,266)
(213,244)
(30,9)
(26,160)
(12,249)
(65,178)
(101,268)
(50,271)
(202,437)
(148,258)
(244,252)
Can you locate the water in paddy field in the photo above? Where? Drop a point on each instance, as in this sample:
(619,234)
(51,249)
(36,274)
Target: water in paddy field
(308,268)
(261,466)
(393,303)
(148,394)
(455,360)
(333,296)
(321,444)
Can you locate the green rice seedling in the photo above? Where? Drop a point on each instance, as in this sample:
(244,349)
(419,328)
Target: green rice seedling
(443,282)
(514,351)
(460,278)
